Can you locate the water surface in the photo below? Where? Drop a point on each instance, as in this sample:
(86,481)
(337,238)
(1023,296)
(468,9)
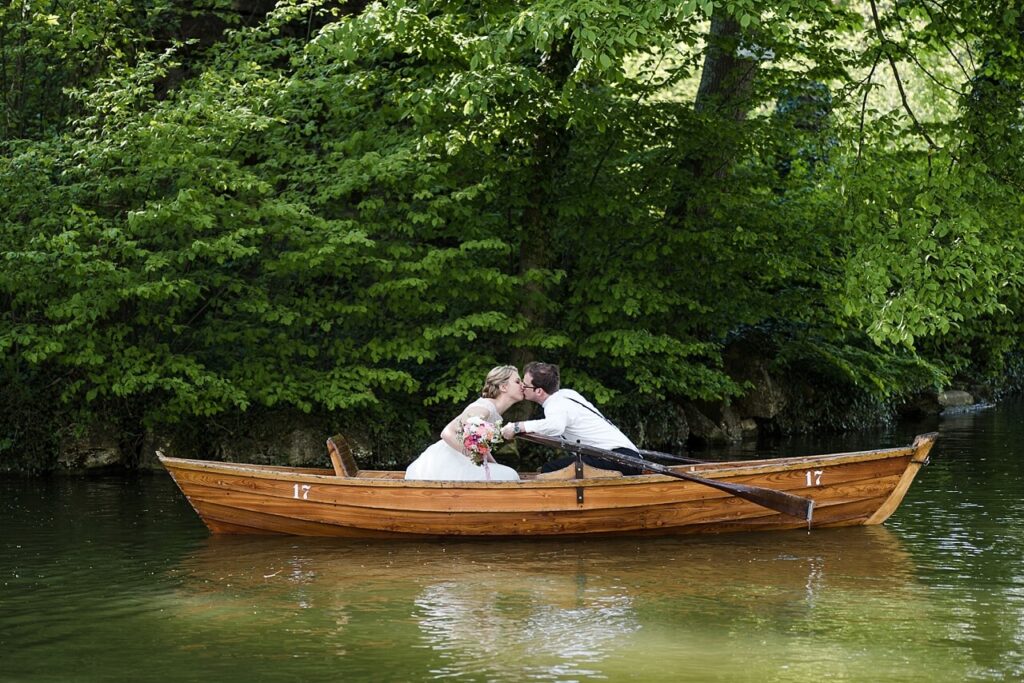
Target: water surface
(116,579)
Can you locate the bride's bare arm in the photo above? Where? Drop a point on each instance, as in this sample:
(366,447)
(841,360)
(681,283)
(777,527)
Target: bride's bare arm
(450,434)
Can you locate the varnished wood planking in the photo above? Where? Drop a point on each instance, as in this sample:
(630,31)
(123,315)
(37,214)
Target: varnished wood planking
(454,499)
(215,488)
(889,506)
(662,493)
(682,525)
(844,515)
(478,524)
(569,520)
(853,489)
(752,469)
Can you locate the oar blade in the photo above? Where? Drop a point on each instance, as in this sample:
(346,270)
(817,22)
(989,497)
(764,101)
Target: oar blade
(780,501)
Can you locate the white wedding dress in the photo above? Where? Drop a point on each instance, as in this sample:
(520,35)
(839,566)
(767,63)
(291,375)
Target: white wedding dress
(441,462)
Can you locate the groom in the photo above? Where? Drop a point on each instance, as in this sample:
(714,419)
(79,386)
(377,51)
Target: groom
(568,415)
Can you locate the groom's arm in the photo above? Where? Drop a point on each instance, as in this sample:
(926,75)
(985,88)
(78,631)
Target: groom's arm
(556,419)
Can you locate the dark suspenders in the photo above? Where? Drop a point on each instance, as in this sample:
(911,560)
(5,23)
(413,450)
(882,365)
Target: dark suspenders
(592,410)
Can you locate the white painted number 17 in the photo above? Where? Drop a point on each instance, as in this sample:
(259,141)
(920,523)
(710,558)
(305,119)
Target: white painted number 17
(816,479)
(305,491)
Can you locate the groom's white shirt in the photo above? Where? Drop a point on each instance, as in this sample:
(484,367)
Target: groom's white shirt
(572,421)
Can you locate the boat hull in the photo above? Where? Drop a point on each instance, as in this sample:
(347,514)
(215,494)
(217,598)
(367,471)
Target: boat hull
(847,489)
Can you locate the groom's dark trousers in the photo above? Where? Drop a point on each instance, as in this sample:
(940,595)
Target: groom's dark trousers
(567,460)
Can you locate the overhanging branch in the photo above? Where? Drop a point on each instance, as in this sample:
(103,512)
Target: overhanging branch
(896,74)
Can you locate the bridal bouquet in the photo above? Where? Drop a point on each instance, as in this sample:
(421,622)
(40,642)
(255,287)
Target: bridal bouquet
(479,437)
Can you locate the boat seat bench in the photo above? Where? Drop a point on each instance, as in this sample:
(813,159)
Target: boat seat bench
(589,472)
(341,457)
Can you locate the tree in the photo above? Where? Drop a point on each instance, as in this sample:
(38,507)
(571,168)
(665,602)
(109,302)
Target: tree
(357,210)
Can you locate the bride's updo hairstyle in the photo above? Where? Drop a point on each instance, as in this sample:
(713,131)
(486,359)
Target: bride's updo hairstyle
(495,378)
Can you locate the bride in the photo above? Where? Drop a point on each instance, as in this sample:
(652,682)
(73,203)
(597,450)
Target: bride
(446,459)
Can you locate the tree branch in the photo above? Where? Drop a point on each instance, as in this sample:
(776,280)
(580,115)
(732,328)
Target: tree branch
(896,74)
(959,34)
(863,108)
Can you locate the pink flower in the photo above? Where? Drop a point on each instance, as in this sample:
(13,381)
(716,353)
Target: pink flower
(478,438)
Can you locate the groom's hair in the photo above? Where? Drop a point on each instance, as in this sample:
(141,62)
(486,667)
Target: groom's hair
(543,375)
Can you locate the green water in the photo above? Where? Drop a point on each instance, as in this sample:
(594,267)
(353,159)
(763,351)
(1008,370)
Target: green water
(115,579)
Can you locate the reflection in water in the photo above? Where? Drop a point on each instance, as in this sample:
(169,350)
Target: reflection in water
(489,609)
(559,624)
(546,610)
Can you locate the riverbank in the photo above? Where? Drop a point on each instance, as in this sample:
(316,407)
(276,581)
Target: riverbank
(770,410)
(779,399)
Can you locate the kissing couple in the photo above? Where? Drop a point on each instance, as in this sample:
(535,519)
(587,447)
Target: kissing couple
(464,453)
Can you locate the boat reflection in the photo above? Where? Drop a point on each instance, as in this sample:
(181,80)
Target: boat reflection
(541,609)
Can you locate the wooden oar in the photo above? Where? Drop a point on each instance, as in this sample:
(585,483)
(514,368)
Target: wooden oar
(658,455)
(772,499)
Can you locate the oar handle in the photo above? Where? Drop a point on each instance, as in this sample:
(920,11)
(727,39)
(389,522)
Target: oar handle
(658,455)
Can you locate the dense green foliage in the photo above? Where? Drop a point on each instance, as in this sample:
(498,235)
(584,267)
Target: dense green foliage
(357,212)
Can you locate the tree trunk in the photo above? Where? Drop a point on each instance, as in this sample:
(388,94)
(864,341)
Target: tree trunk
(995,102)
(727,78)
(723,100)
(550,149)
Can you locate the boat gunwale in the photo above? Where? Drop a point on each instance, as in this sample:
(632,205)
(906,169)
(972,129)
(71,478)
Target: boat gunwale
(722,470)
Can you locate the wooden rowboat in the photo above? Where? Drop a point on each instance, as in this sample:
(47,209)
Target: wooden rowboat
(847,489)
